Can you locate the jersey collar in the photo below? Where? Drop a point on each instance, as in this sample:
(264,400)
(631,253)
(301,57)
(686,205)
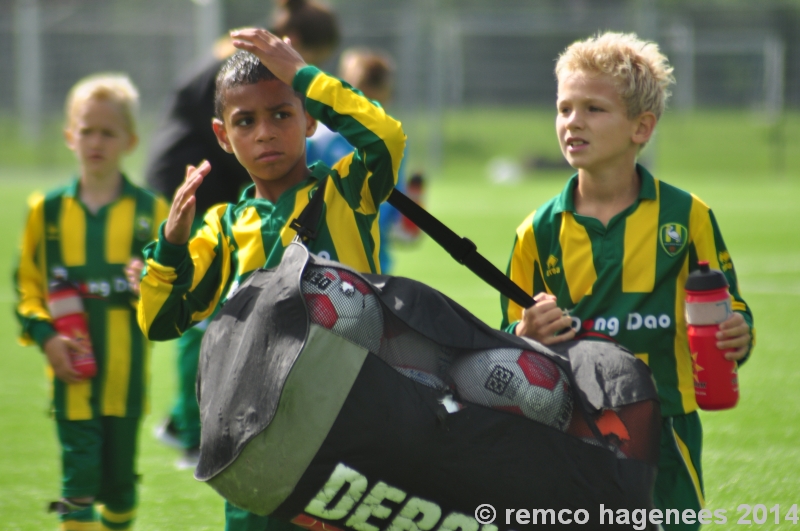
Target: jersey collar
(318,172)
(73,189)
(566,201)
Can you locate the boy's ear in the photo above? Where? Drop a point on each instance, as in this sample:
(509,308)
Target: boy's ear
(133,141)
(69,139)
(311,125)
(222,134)
(645,125)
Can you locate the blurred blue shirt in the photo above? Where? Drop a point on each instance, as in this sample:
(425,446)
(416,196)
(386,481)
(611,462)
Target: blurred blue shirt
(329,147)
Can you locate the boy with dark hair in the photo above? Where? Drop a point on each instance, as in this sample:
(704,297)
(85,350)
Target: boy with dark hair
(185,137)
(608,258)
(264,120)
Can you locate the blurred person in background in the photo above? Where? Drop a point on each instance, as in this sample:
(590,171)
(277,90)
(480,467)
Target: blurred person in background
(185,137)
(86,235)
(371,72)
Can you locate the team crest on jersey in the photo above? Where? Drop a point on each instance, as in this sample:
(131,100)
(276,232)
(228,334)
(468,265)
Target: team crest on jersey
(673,238)
(144,228)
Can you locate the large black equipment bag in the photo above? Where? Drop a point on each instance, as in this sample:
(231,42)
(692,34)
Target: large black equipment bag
(342,401)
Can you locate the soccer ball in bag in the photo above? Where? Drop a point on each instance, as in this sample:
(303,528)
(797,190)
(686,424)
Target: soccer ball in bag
(343,303)
(515,380)
(416,357)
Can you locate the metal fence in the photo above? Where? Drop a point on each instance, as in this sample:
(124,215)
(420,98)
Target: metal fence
(449,53)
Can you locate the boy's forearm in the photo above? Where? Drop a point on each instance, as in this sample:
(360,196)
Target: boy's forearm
(364,124)
(162,290)
(167,304)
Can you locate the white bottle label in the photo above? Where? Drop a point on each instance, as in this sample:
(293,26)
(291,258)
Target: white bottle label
(65,306)
(708,313)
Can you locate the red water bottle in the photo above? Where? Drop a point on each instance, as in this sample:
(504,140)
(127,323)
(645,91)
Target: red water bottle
(708,303)
(69,319)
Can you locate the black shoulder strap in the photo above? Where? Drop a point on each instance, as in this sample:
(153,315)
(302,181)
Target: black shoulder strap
(463,250)
(307,221)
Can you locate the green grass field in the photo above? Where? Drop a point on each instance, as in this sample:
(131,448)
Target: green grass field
(751,452)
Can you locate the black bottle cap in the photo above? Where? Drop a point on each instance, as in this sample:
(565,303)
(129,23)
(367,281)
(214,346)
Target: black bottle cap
(705,278)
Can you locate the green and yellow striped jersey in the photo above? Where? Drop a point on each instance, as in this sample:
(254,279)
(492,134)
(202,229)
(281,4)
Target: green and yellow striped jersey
(61,238)
(183,285)
(625,282)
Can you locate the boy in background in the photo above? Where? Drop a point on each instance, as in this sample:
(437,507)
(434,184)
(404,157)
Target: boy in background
(88,232)
(602,259)
(266,105)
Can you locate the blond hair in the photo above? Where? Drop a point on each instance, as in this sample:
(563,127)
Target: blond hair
(115,88)
(639,69)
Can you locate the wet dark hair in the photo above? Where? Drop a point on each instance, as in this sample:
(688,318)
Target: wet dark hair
(242,68)
(313,23)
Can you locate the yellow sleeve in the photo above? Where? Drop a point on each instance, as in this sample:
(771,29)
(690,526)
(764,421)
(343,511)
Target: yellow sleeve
(523,263)
(30,278)
(183,284)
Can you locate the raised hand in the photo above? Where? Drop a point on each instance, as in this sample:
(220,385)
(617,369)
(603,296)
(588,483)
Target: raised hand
(544,320)
(181,214)
(275,53)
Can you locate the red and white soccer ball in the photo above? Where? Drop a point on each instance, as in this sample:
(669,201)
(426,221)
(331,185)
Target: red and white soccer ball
(343,303)
(515,380)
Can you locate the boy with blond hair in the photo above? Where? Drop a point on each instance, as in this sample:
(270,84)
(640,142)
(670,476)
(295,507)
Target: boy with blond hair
(267,103)
(89,233)
(608,258)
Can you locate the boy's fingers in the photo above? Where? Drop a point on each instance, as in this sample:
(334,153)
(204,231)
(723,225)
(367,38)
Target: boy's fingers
(187,207)
(735,343)
(557,325)
(193,171)
(560,338)
(194,178)
(736,354)
(733,321)
(544,297)
(68,376)
(245,45)
(252,39)
(251,34)
(60,362)
(733,331)
(75,345)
